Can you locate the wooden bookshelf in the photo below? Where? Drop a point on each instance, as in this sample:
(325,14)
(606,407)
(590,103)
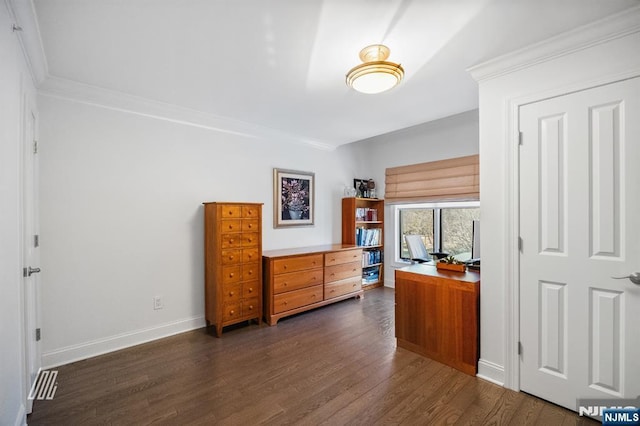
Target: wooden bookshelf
(363,225)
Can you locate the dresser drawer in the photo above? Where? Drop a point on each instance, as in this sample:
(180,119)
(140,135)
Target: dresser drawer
(250,272)
(297,263)
(250,225)
(230,257)
(250,255)
(250,307)
(250,239)
(250,211)
(297,280)
(338,288)
(250,289)
(297,298)
(231,274)
(231,225)
(231,240)
(231,211)
(339,257)
(231,311)
(345,270)
(231,292)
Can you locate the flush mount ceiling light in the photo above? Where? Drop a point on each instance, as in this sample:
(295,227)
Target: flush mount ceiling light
(375,75)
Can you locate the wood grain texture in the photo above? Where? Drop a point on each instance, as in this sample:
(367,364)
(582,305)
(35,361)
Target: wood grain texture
(437,315)
(338,365)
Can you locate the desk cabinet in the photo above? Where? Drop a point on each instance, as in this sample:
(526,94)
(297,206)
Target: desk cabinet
(296,280)
(437,315)
(233,251)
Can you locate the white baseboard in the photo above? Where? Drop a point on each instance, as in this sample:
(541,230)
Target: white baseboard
(21,418)
(390,283)
(93,348)
(491,372)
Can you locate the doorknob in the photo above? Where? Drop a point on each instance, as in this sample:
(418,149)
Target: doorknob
(26,272)
(633,277)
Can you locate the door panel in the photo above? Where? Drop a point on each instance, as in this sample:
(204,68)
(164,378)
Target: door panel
(580,226)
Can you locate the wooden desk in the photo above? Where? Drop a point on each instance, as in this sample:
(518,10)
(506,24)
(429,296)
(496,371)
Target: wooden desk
(437,315)
(299,279)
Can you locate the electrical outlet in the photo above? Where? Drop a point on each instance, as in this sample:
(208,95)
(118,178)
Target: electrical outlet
(157,302)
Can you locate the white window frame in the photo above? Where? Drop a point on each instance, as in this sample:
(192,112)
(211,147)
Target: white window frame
(437,207)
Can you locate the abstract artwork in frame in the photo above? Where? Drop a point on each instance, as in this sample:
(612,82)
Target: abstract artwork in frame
(293,198)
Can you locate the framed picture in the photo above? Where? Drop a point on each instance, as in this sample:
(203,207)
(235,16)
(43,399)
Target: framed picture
(293,198)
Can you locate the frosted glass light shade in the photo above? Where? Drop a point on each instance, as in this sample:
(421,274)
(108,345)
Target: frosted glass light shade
(375,75)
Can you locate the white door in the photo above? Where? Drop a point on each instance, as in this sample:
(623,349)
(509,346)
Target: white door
(30,257)
(580,226)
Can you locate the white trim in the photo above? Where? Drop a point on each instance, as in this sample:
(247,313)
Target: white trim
(110,99)
(93,348)
(23,14)
(490,372)
(586,36)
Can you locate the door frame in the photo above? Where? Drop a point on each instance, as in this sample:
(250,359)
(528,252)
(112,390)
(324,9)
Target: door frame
(31,350)
(512,223)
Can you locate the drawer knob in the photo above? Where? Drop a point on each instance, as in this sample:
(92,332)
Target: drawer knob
(231,241)
(249,239)
(250,226)
(232,312)
(230,226)
(250,272)
(250,256)
(231,275)
(251,307)
(230,293)
(230,257)
(285,302)
(285,266)
(284,284)
(251,289)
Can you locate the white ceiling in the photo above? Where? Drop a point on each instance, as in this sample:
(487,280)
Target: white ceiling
(281,64)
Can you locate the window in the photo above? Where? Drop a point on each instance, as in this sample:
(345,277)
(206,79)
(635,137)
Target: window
(445,227)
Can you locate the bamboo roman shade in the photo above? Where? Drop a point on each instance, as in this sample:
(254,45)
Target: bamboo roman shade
(455,179)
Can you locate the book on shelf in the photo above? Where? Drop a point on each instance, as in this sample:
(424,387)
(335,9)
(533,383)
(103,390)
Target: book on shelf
(371,274)
(366,214)
(371,257)
(368,237)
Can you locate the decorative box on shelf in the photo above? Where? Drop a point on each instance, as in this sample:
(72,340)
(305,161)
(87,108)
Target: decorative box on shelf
(458,267)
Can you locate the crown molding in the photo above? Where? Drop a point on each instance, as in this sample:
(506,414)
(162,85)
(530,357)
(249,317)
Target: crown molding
(104,98)
(23,14)
(610,28)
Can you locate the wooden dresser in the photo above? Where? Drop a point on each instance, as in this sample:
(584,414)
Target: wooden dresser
(296,280)
(233,270)
(437,315)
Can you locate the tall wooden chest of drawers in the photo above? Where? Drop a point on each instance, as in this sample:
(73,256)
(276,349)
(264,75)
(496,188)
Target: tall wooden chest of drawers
(296,280)
(233,268)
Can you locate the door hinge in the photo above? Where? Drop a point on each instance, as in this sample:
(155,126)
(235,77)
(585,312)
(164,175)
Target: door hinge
(38,335)
(35,147)
(25,272)
(519,138)
(36,240)
(519,348)
(520,244)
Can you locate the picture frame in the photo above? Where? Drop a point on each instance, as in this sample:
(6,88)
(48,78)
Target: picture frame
(293,198)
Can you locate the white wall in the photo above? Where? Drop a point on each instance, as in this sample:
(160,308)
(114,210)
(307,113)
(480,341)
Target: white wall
(121,219)
(15,81)
(565,64)
(449,137)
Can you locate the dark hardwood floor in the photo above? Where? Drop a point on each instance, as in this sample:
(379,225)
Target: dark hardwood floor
(335,365)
